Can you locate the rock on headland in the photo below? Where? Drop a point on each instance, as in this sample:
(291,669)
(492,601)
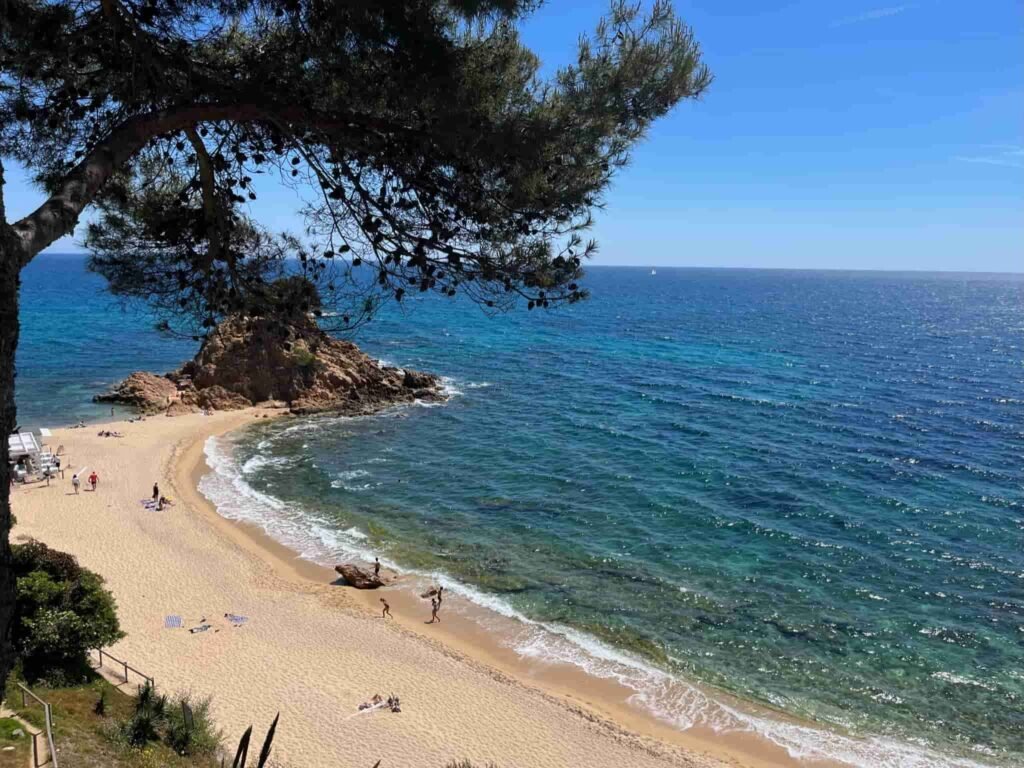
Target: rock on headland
(245,361)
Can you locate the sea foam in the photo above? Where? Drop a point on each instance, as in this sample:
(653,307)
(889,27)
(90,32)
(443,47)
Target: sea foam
(666,696)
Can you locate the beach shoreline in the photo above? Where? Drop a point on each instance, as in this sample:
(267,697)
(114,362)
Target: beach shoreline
(593,709)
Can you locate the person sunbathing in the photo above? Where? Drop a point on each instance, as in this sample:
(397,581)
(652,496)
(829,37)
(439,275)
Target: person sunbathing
(374,702)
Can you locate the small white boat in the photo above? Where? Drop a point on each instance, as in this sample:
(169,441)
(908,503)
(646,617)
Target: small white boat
(654,271)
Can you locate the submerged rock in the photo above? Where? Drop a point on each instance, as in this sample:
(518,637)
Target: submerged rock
(250,360)
(357,577)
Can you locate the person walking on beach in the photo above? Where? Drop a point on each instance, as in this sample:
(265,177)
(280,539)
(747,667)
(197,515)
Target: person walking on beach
(434,606)
(440,589)
(156,492)
(75,483)
(93,480)
(387,609)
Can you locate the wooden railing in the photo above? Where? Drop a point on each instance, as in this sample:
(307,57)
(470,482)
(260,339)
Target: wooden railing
(48,716)
(125,667)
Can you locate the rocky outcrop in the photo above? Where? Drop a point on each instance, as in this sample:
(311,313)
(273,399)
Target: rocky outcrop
(217,398)
(356,577)
(181,409)
(146,391)
(249,360)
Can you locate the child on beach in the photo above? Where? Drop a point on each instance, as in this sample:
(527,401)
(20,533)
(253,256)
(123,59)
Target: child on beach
(387,609)
(156,492)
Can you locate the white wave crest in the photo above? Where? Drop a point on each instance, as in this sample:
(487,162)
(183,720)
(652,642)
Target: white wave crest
(666,696)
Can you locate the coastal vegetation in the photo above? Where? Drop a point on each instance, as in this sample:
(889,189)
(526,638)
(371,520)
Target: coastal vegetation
(95,735)
(61,612)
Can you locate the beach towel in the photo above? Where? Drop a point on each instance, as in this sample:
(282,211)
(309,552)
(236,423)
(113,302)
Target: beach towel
(173,622)
(200,628)
(235,619)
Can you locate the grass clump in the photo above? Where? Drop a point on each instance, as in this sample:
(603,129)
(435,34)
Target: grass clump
(14,750)
(198,737)
(183,724)
(87,739)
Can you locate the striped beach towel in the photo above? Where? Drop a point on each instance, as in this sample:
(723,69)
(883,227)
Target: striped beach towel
(173,622)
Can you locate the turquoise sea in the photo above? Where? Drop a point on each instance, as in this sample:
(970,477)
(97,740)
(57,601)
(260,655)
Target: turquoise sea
(804,489)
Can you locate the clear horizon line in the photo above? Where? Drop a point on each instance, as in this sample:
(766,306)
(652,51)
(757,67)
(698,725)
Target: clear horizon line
(915,270)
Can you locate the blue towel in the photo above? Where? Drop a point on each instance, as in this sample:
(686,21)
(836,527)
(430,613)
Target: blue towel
(173,622)
(236,619)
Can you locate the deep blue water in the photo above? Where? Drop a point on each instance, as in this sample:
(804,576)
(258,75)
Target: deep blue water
(802,488)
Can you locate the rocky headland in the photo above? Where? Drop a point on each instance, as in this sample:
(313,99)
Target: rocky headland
(249,361)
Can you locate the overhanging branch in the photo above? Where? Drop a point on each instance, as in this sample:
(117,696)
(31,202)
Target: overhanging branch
(59,214)
(210,208)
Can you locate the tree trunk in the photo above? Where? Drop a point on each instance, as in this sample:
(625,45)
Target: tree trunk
(10,267)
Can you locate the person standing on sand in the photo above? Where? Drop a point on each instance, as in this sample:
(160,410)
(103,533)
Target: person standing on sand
(93,480)
(387,609)
(434,605)
(75,482)
(440,589)
(376,566)
(156,492)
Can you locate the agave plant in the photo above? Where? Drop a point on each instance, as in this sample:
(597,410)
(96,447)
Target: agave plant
(242,753)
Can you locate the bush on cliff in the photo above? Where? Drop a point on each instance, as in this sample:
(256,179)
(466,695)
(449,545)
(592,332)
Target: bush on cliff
(61,611)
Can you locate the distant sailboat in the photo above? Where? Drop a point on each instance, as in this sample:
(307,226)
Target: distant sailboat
(654,271)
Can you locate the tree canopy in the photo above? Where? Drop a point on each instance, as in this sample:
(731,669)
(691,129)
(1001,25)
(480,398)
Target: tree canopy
(63,611)
(425,150)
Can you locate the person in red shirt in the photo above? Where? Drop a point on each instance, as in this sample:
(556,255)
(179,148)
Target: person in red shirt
(93,479)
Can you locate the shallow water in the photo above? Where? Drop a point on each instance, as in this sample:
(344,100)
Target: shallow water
(802,488)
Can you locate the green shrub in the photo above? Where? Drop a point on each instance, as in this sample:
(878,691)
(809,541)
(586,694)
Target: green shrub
(202,738)
(158,718)
(146,721)
(303,357)
(61,611)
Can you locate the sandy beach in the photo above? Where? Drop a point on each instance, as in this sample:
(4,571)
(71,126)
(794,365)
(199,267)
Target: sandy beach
(313,649)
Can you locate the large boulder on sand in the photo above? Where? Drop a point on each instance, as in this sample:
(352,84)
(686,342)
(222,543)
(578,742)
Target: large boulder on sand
(145,391)
(357,577)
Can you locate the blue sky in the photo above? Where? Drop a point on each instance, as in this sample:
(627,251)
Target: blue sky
(853,134)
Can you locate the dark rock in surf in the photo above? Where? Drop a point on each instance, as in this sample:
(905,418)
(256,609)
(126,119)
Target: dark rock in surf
(356,577)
